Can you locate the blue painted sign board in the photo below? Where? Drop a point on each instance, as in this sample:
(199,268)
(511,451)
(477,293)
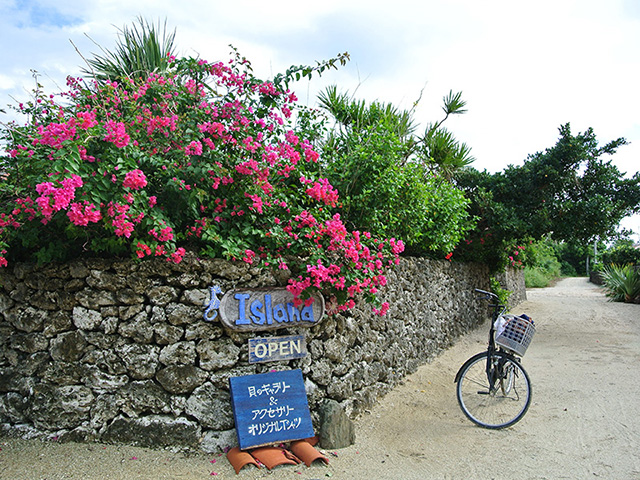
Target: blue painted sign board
(270,408)
(271,349)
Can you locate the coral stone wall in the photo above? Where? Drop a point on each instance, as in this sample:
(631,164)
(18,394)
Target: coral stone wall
(513,280)
(118,351)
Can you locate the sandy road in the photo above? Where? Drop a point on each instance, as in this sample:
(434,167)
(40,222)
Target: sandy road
(584,421)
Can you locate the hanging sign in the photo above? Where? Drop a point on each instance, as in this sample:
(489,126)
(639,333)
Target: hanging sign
(270,349)
(270,408)
(263,309)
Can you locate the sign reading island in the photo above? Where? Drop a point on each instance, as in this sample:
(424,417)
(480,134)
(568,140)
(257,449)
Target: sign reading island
(268,309)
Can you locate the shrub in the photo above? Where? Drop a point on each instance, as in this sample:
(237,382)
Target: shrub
(622,283)
(204,156)
(622,255)
(388,185)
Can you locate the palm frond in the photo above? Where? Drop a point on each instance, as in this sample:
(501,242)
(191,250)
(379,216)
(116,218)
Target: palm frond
(140,50)
(622,283)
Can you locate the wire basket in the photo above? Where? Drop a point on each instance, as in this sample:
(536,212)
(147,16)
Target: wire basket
(516,334)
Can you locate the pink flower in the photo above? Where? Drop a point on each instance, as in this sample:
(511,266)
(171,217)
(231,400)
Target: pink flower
(249,256)
(83,214)
(194,148)
(177,256)
(117,134)
(384,308)
(135,179)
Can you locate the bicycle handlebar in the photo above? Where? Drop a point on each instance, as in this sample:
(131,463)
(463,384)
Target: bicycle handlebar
(486,295)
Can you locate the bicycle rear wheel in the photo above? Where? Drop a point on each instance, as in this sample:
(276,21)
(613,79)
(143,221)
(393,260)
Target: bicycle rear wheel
(496,393)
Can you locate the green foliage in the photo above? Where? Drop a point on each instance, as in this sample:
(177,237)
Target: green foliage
(502,293)
(623,254)
(141,50)
(622,283)
(372,156)
(568,191)
(535,277)
(542,265)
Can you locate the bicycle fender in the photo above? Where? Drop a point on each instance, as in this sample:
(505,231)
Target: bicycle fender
(481,354)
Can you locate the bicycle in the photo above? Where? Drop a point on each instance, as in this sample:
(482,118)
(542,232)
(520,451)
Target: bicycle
(493,389)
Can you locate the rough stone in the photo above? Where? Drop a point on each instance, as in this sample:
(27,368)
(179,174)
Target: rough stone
(153,431)
(64,373)
(68,346)
(181,378)
(215,442)
(60,407)
(139,329)
(180,314)
(166,334)
(217,355)
(337,430)
(57,323)
(89,298)
(128,296)
(141,360)
(196,297)
(100,280)
(126,355)
(86,319)
(28,319)
(181,353)
(162,295)
(29,342)
(211,407)
(102,382)
(145,396)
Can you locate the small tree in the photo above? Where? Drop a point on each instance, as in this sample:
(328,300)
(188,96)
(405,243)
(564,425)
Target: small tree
(394,183)
(570,192)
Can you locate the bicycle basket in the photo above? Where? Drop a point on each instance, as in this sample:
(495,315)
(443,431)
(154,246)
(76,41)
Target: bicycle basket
(516,334)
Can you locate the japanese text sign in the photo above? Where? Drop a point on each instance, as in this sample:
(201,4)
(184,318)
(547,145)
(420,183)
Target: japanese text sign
(270,408)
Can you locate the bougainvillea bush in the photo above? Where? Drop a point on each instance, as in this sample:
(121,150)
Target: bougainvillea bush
(204,157)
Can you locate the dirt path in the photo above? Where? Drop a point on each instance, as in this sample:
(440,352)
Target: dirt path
(584,421)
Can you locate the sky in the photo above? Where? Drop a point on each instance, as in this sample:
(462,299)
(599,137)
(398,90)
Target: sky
(524,68)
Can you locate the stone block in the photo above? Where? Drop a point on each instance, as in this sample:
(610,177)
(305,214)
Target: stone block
(336,428)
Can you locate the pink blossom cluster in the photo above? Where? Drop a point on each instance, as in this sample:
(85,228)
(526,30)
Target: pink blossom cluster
(362,270)
(322,191)
(82,214)
(135,180)
(117,134)
(53,199)
(54,134)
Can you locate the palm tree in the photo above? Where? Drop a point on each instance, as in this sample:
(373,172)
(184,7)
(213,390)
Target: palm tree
(140,50)
(439,149)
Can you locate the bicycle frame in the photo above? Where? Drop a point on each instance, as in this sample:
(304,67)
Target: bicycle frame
(498,309)
(493,389)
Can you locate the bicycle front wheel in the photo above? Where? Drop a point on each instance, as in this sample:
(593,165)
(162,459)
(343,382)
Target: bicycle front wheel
(493,391)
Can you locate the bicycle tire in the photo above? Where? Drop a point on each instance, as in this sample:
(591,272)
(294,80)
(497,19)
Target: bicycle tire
(500,406)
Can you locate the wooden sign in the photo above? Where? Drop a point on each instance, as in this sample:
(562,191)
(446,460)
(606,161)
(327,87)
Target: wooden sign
(268,309)
(270,349)
(270,408)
